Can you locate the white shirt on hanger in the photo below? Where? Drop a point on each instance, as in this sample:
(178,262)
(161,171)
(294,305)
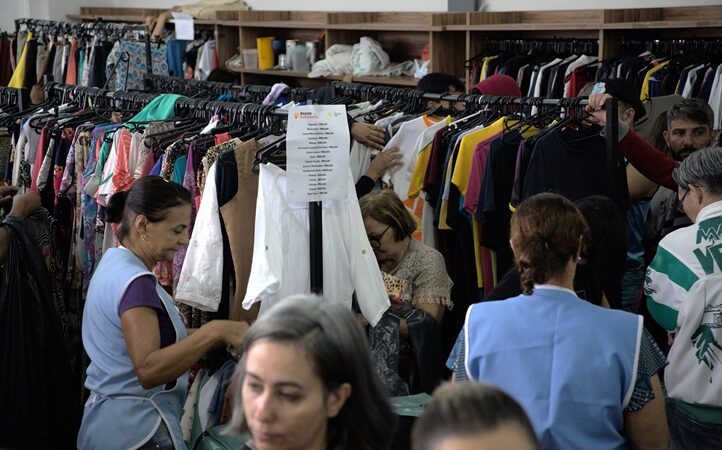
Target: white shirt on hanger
(691,79)
(201,278)
(715,98)
(581,61)
(281,262)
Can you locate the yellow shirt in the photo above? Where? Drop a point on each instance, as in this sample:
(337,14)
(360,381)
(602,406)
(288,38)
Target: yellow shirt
(644,95)
(462,168)
(485,66)
(18,78)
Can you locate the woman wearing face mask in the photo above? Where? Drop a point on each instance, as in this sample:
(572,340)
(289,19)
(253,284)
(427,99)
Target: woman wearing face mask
(139,349)
(305,382)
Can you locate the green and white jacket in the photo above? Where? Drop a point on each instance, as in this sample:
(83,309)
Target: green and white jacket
(684,295)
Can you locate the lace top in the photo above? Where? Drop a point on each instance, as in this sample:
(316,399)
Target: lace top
(425,270)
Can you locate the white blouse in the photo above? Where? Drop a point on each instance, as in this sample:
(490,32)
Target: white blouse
(281,265)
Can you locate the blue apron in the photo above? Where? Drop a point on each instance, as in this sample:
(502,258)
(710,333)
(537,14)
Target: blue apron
(120,413)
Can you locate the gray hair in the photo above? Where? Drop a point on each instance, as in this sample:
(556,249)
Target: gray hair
(334,342)
(693,109)
(702,168)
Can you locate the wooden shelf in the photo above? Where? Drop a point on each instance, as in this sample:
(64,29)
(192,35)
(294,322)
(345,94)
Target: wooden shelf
(278,73)
(284,24)
(665,24)
(106,18)
(385,27)
(528,27)
(391,81)
(451,38)
(203,22)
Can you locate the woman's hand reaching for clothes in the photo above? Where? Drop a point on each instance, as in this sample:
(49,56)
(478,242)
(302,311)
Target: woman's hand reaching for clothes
(229,332)
(368,134)
(24,205)
(383,162)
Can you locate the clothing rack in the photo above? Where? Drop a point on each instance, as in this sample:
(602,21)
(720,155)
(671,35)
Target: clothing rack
(695,46)
(205,109)
(115,28)
(248,92)
(552,46)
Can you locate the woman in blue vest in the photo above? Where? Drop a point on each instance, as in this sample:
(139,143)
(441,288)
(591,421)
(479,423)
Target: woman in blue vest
(306,382)
(139,349)
(570,364)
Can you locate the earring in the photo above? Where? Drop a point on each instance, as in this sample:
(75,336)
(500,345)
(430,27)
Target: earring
(145,237)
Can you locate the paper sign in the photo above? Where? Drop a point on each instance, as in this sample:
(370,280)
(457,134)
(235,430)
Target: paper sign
(184,30)
(317,153)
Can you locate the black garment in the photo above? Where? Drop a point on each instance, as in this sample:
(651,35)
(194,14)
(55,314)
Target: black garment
(509,286)
(701,74)
(364,185)
(669,82)
(683,78)
(555,88)
(47,194)
(457,247)
(6,71)
(31,69)
(38,394)
(97,64)
(545,76)
(493,206)
(527,77)
(573,163)
(706,89)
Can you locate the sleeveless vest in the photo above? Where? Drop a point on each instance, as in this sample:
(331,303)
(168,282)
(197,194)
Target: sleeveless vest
(120,413)
(571,365)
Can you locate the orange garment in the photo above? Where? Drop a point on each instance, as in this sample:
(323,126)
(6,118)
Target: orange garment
(122,175)
(72,76)
(39,157)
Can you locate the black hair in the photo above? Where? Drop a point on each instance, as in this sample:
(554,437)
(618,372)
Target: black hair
(692,109)
(150,196)
(439,83)
(221,75)
(464,409)
(606,252)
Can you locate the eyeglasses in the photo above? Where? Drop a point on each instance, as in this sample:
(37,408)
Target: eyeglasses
(375,241)
(680,204)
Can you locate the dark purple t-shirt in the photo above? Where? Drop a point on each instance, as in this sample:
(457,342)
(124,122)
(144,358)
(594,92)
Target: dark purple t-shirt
(141,293)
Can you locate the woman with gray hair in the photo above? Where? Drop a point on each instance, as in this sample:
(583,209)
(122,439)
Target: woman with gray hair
(684,295)
(305,381)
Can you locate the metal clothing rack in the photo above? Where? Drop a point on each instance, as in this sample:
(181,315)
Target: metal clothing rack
(205,108)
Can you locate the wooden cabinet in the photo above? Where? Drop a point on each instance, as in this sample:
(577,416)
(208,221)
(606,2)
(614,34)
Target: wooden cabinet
(452,38)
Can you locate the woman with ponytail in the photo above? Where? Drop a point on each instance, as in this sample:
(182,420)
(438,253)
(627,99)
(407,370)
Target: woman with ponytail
(571,365)
(139,349)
